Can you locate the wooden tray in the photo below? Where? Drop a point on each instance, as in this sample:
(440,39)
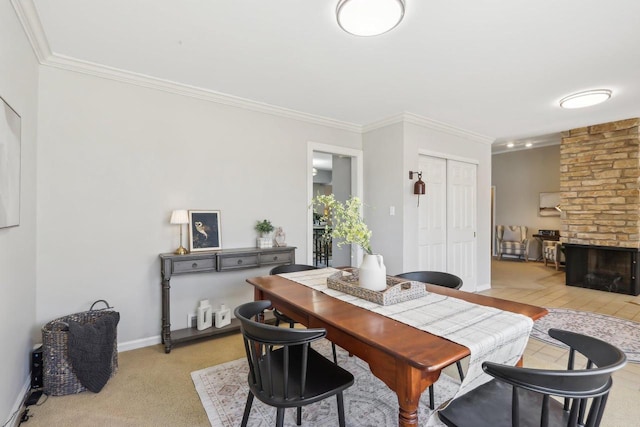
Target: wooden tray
(398,290)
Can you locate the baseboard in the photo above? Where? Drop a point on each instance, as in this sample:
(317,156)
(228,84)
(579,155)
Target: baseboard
(19,404)
(135,344)
(484,287)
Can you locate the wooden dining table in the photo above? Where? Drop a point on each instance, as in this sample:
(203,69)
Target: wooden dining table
(406,359)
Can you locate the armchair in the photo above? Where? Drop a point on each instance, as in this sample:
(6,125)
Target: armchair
(552,251)
(512,240)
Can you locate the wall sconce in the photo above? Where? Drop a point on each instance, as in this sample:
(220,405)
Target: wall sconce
(419,187)
(180,217)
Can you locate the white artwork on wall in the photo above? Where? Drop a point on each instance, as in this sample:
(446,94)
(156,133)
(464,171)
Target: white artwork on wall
(550,204)
(9,166)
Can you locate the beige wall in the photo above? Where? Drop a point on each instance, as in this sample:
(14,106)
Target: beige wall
(519,177)
(115,159)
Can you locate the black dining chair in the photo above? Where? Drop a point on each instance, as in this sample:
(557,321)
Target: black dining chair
(521,396)
(439,278)
(284,371)
(283,318)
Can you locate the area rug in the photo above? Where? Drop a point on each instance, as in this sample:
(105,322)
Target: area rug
(368,403)
(622,333)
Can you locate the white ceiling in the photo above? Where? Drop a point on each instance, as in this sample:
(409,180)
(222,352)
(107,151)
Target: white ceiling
(493,68)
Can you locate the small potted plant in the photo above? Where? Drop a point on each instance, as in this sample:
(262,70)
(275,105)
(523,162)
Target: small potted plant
(264,228)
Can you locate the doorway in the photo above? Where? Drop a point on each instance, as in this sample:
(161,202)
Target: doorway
(337,170)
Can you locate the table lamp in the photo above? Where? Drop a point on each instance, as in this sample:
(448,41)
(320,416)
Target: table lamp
(180,217)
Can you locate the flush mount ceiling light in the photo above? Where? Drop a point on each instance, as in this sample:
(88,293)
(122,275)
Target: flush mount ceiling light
(585,99)
(369,17)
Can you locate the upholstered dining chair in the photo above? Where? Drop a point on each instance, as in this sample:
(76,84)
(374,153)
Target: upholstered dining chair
(283,318)
(512,240)
(440,278)
(522,396)
(284,371)
(552,252)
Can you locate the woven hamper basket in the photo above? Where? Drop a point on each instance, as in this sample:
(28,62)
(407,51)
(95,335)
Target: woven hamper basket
(58,376)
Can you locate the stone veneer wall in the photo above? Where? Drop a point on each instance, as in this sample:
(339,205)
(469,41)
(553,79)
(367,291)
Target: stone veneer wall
(600,182)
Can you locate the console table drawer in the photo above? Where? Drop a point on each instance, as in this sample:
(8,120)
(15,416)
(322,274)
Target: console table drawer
(233,262)
(193,265)
(277,258)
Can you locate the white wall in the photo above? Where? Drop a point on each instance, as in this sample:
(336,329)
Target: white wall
(519,178)
(115,159)
(18,87)
(383,163)
(390,153)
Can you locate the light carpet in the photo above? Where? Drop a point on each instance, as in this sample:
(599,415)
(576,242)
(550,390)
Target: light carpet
(624,334)
(368,403)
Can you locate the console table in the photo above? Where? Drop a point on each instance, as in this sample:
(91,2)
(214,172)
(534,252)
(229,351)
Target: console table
(211,262)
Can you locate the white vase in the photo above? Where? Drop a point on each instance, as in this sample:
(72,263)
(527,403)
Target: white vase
(204,319)
(373,273)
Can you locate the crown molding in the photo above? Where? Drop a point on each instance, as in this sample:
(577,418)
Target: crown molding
(28,16)
(415,119)
(98,70)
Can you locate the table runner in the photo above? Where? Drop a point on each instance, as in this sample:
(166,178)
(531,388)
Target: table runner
(489,333)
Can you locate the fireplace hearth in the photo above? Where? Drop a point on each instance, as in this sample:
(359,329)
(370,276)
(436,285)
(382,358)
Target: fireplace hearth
(603,268)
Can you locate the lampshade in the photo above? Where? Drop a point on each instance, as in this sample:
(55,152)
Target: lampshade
(369,17)
(585,99)
(179,216)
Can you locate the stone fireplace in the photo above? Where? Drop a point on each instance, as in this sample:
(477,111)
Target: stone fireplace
(600,221)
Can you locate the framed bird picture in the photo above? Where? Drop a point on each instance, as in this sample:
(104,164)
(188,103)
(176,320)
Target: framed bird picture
(204,231)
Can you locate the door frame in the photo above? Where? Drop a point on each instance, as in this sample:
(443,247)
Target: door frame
(447,157)
(357,186)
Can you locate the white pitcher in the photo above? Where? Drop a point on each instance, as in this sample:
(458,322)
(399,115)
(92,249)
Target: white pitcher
(373,273)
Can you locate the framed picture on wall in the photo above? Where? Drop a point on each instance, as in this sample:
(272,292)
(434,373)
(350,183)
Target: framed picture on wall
(204,231)
(9,166)
(549,204)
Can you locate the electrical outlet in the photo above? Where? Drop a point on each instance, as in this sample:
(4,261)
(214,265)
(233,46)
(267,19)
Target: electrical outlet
(191,320)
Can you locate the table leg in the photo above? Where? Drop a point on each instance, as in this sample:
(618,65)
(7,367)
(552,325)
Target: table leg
(411,384)
(408,383)
(166,324)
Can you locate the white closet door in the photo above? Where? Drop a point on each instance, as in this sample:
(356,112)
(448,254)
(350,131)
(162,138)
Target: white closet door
(432,240)
(461,214)
(447,218)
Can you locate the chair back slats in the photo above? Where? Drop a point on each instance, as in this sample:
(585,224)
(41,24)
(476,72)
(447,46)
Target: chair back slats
(303,369)
(544,415)
(573,405)
(585,390)
(515,408)
(597,351)
(284,370)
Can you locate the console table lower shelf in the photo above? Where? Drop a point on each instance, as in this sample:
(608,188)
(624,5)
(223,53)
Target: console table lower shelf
(190,334)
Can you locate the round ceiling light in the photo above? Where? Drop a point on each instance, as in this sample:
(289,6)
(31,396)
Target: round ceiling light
(585,99)
(369,17)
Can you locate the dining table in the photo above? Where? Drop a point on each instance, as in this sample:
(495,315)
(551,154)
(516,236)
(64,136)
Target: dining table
(407,359)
